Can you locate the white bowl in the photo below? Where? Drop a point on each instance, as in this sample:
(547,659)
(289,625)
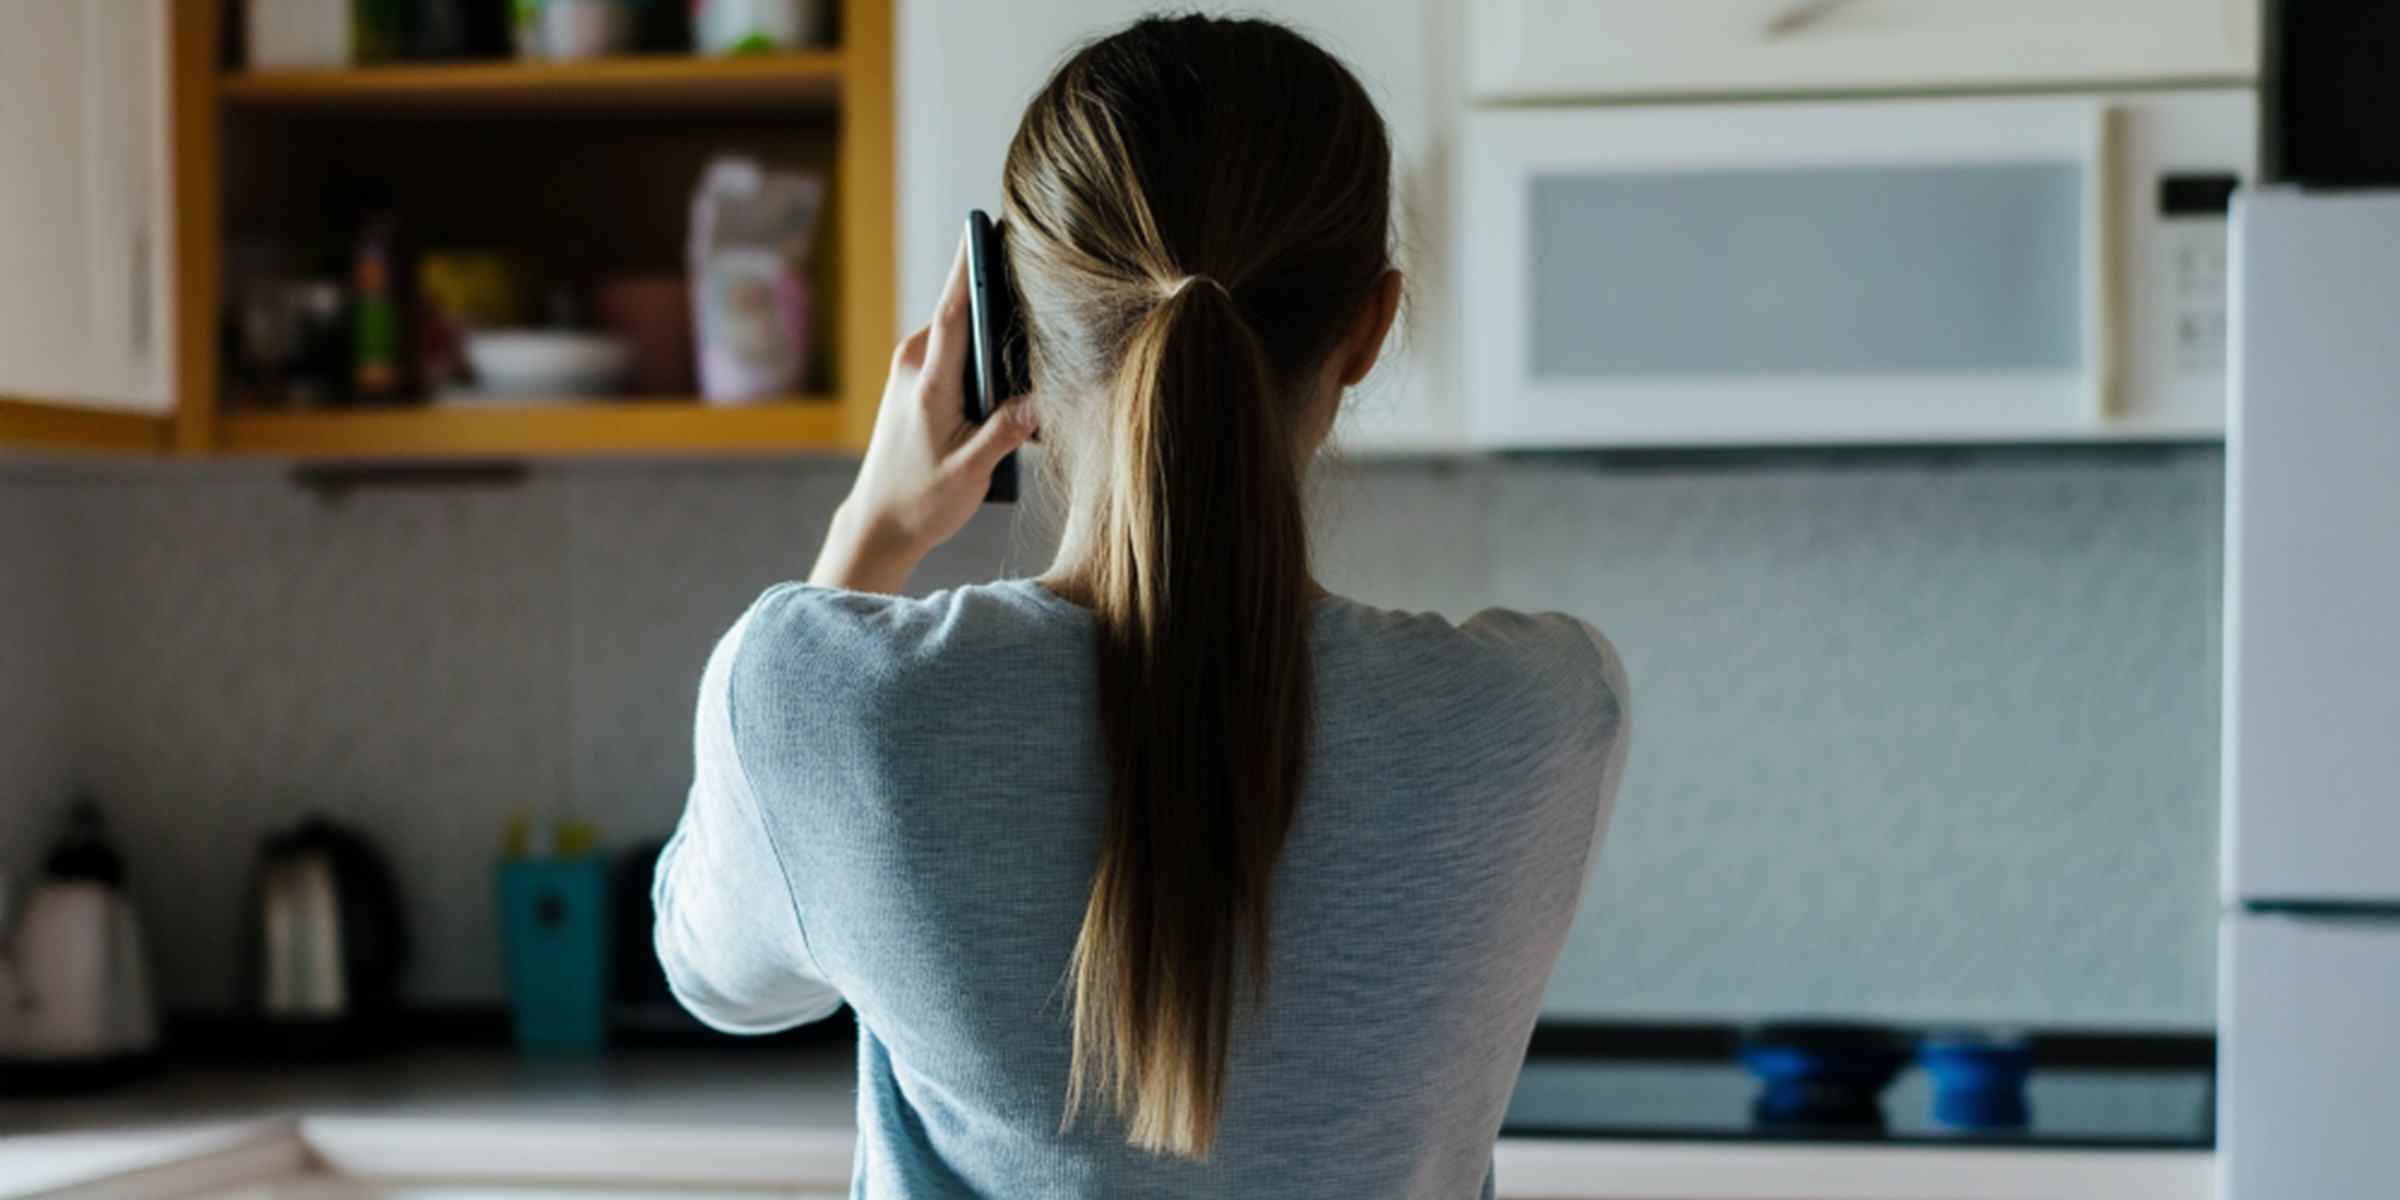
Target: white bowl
(548,362)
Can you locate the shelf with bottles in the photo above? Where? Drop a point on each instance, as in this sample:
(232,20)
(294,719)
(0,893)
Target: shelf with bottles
(583,173)
(495,55)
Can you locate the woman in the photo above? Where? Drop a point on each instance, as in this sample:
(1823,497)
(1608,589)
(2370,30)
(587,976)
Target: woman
(1166,873)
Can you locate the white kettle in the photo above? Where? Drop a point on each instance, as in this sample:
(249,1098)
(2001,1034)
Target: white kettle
(80,979)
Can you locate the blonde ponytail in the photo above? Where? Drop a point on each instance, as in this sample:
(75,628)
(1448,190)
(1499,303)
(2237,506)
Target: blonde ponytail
(1205,694)
(1196,210)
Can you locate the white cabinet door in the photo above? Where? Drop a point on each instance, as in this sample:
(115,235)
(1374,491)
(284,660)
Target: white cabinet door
(2312,670)
(85,250)
(967,67)
(2305,1106)
(1576,49)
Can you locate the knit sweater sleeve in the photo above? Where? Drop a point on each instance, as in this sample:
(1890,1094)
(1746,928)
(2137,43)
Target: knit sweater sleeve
(728,932)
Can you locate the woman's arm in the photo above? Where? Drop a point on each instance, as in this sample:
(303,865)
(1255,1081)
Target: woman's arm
(927,467)
(728,933)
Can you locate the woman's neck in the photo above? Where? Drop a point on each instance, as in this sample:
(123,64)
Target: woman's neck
(1074,575)
(1075,571)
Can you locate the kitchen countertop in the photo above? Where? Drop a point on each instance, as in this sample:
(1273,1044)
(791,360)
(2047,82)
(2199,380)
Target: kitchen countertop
(809,1087)
(755,1117)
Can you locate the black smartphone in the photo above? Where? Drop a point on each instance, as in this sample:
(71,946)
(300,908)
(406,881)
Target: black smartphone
(997,366)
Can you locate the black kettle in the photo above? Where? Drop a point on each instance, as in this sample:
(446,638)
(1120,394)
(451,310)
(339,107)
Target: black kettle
(327,941)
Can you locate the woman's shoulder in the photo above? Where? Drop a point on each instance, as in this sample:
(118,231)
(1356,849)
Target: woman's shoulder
(828,637)
(812,613)
(1540,653)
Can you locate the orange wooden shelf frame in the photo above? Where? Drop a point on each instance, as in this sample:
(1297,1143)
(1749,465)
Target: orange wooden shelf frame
(644,83)
(30,424)
(611,427)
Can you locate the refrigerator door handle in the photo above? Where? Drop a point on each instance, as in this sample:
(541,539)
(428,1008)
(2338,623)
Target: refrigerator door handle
(2362,911)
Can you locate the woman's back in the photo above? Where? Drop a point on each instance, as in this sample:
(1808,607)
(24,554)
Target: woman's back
(927,782)
(1202,883)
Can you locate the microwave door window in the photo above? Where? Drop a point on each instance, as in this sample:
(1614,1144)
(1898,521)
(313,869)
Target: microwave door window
(1809,273)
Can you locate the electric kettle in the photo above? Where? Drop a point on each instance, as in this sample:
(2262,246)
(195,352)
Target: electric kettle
(327,940)
(81,1008)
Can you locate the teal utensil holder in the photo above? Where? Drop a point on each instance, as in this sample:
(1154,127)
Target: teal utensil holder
(554,919)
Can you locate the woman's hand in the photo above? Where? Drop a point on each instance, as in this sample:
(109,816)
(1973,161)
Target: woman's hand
(927,467)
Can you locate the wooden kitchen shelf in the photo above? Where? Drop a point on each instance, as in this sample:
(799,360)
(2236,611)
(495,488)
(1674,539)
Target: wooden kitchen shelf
(613,427)
(588,168)
(660,83)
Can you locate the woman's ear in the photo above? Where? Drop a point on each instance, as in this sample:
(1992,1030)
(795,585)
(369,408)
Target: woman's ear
(1369,328)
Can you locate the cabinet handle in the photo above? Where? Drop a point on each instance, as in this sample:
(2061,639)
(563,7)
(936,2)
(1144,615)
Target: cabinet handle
(1800,18)
(141,294)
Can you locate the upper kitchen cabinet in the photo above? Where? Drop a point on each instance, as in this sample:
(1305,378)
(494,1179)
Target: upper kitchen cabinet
(1536,50)
(375,223)
(89,327)
(968,67)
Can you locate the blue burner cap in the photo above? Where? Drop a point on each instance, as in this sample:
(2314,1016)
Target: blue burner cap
(1979,1082)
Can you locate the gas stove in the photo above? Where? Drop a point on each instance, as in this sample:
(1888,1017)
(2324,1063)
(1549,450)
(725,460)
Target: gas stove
(2120,1091)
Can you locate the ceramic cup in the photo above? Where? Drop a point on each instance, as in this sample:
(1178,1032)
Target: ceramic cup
(654,314)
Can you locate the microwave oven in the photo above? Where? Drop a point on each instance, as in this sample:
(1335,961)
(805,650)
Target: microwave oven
(2017,268)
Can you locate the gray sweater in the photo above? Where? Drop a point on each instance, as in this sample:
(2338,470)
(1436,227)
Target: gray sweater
(898,804)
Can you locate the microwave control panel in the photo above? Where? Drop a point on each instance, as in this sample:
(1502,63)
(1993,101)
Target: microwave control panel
(2192,212)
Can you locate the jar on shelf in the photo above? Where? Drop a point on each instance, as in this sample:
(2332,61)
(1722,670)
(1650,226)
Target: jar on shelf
(757,26)
(573,30)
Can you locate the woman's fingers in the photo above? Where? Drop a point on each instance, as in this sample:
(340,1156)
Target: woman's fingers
(1008,429)
(910,494)
(910,355)
(951,342)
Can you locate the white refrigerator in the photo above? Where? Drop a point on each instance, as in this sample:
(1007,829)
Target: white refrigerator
(2309,995)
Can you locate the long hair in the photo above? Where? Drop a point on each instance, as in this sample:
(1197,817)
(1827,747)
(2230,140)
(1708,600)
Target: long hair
(1197,209)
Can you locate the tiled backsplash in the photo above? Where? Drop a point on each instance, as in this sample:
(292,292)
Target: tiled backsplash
(1931,740)
(1916,736)
(33,675)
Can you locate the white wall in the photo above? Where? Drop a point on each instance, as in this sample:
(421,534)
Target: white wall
(967,68)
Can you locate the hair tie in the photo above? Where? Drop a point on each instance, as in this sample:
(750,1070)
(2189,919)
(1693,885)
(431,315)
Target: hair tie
(1176,288)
